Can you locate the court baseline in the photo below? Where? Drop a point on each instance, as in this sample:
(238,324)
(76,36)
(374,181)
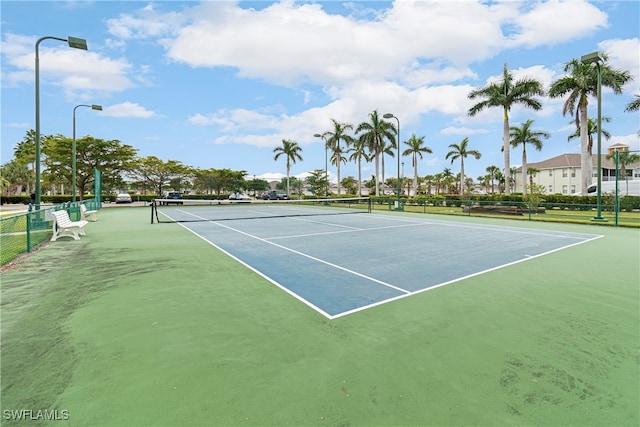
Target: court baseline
(343,264)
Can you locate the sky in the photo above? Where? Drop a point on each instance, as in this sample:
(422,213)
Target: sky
(220,84)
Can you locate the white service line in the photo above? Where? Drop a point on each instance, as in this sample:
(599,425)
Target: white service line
(355,273)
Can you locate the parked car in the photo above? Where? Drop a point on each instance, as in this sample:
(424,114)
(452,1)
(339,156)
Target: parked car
(123,198)
(172,197)
(275,195)
(239,197)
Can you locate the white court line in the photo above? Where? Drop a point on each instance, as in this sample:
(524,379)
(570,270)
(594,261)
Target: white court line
(405,293)
(261,274)
(508,229)
(468,276)
(355,273)
(388,227)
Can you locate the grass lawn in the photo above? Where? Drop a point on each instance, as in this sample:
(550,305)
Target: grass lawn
(148,325)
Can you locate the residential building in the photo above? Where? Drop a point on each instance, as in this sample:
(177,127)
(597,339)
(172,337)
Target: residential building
(562,174)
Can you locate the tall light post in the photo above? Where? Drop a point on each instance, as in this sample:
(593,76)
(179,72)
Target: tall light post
(75,43)
(73,147)
(389,116)
(326,164)
(589,59)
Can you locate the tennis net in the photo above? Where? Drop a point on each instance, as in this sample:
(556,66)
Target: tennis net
(193,210)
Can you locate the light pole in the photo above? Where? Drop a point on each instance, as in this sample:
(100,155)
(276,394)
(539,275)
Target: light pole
(75,43)
(326,165)
(73,147)
(389,116)
(588,59)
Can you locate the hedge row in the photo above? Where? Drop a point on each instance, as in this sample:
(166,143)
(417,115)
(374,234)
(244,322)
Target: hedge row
(627,203)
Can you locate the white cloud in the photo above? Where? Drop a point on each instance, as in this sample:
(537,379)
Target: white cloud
(462,131)
(625,55)
(127,109)
(556,21)
(147,23)
(81,73)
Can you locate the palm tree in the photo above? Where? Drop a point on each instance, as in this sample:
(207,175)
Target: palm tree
(532,172)
(592,128)
(429,180)
(625,158)
(461,151)
(492,171)
(291,150)
(522,136)
(578,85)
(389,149)
(333,143)
(447,177)
(633,105)
(416,148)
(437,180)
(359,152)
(16,175)
(505,94)
(375,132)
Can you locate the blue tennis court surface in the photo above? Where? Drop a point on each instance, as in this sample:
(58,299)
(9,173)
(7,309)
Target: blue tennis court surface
(342,264)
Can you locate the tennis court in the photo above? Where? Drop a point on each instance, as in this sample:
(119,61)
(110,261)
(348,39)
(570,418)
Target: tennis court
(340,264)
(151,325)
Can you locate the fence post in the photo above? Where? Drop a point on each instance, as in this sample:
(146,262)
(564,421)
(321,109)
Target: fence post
(616,206)
(29,228)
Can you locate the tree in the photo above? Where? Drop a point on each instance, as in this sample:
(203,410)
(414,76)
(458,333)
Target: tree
(156,173)
(415,150)
(257,185)
(291,150)
(429,181)
(317,182)
(492,171)
(461,151)
(359,152)
(295,184)
(15,175)
(371,184)
(333,138)
(25,150)
(349,183)
(375,133)
(111,157)
(505,94)
(633,105)
(592,129)
(522,136)
(447,179)
(625,158)
(532,172)
(580,83)
(438,180)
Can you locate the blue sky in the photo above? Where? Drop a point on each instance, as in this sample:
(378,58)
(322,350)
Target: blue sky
(220,84)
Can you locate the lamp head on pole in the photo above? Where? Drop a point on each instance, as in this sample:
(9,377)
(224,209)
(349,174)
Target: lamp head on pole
(592,57)
(96,107)
(77,43)
(317,135)
(388,116)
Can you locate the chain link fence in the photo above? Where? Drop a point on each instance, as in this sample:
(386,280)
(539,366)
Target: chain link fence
(22,233)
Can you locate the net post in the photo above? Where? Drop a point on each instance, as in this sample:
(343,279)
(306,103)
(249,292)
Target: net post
(153,206)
